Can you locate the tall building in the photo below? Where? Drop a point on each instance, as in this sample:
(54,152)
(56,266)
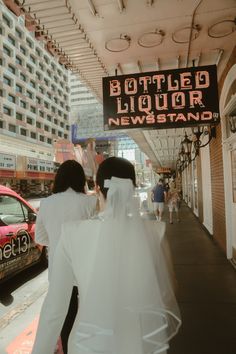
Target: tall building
(34,101)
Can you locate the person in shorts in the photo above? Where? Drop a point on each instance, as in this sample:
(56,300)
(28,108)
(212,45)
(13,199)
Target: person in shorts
(159,197)
(173,203)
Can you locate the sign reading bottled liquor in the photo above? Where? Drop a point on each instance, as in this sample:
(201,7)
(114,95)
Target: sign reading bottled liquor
(164,99)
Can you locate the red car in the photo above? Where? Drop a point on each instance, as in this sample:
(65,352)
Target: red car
(18,249)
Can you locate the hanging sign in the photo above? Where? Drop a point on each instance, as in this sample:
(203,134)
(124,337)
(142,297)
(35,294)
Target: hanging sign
(163,99)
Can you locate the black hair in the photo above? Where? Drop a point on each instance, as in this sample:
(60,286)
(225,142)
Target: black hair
(70,174)
(114,167)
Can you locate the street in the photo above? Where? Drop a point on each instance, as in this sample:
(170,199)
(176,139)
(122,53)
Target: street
(20,302)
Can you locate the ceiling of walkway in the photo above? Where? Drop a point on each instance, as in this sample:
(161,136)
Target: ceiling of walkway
(97,38)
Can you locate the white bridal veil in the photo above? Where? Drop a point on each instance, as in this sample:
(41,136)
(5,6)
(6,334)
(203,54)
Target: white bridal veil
(129,307)
(126,299)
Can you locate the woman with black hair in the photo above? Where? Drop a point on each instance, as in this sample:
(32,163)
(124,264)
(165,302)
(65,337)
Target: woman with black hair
(126,300)
(67,203)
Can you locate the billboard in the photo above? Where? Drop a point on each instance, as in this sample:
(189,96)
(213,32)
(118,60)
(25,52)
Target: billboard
(162,99)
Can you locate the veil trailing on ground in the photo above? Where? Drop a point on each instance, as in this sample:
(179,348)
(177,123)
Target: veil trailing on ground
(128,305)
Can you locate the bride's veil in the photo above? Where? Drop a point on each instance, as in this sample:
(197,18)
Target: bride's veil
(130,303)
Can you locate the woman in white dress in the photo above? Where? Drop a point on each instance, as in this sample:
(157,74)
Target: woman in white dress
(126,300)
(67,203)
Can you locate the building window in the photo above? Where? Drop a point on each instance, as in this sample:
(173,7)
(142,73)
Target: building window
(32,59)
(41,89)
(38,124)
(11,69)
(30,68)
(65,136)
(41,138)
(32,84)
(12,41)
(38,51)
(29,94)
(7,110)
(49,95)
(38,75)
(11,98)
(41,66)
(46,128)
(29,120)
(23,131)
(6,20)
(23,104)
(46,82)
(18,33)
(33,135)
(19,88)
(19,60)
(41,114)
(6,50)
(55,121)
(53,109)
(53,131)
(46,59)
(49,141)
(30,43)
(23,50)
(12,128)
(60,134)
(32,109)
(19,116)
(46,104)
(38,100)
(49,118)
(1,124)
(22,77)
(6,80)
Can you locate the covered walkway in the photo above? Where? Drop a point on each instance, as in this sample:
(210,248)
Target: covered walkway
(206,290)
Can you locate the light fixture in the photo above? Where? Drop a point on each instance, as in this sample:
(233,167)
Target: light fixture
(151,39)
(222,28)
(232,123)
(201,133)
(182,34)
(118,44)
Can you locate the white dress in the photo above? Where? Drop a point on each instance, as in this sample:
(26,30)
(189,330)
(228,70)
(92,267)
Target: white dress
(126,300)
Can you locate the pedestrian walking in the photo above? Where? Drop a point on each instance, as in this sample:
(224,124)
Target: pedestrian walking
(67,203)
(173,203)
(159,197)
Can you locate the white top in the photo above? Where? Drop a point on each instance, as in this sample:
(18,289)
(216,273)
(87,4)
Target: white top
(126,300)
(57,209)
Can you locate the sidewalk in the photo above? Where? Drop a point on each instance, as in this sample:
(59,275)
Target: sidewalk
(206,295)
(206,290)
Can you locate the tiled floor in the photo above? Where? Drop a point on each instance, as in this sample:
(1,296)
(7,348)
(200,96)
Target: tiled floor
(206,290)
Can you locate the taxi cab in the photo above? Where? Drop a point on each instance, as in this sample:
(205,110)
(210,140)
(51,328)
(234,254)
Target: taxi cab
(18,249)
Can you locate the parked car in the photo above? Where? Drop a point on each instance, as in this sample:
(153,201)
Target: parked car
(18,249)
